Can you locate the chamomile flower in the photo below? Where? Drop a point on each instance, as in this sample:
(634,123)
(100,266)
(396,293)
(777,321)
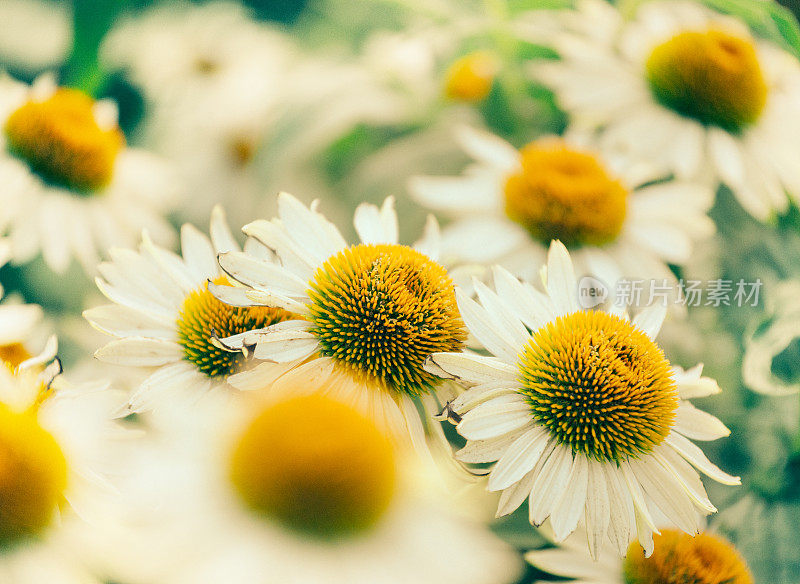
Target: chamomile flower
(585,416)
(302,490)
(688,88)
(72,187)
(367,314)
(53,438)
(165,319)
(615,220)
(18,322)
(705,558)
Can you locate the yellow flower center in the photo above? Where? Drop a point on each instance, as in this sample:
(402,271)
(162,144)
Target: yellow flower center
(315,466)
(679,558)
(711,76)
(470,78)
(62,142)
(33,477)
(203,317)
(380,310)
(599,385)
(566,194)
(14,354)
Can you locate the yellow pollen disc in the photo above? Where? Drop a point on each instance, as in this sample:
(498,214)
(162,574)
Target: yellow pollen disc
(380,310)
(61,141)
(711,76)
(203,317)
(14,354)
(470,78)
(33,477)
(566,194)
(599,385)
(679,558)
(316,466)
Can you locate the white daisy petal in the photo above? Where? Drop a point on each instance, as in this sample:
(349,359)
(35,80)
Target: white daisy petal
(140,351)
(697,424)
(519,459)
(695,456)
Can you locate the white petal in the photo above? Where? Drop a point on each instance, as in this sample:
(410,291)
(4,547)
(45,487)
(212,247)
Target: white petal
(697,424)
(486,330)
(198,254)
(472,368)
(495,417)
(550,484)
(566,514)
(598,508)
(375,225)
(140,352)
(650,319)
(561,284)
(519,459)
(488,148)
(221,237)
(256,273)
(695,456)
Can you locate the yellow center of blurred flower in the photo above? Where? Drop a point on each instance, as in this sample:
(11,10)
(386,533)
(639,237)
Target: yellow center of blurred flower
(712,76)
(33,477)
(14,354)
(62,142)
(599,385)
(470,78)
(566,194)
(679,558)
(203,317)
(315,466)
(380,310)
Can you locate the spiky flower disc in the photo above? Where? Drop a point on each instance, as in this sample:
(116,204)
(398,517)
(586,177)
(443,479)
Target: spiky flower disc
(203,317)
(679,558)
(381,309)
(599,385)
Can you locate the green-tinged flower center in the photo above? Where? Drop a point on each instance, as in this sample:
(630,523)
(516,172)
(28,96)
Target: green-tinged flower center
(316,466)
(62,142)
(679,558)
(711,76)
(380,310)
(33,477)
(203,317)
(566,194)
(599,385)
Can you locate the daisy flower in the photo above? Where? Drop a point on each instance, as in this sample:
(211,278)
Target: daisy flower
(165,319)
(72,187)
(616,221)
(302,490)
(583,413)
(53,437)
(18,322)
(706,558)
(687,88)
(367,314)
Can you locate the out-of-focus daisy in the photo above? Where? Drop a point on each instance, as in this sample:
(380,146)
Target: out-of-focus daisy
(18,322)
(583,413)
(685,87)
(775,336)
(72,187)
(34,34)
(53,438)
(367,314)
(705,558)
(165,318)
(304,490)
(510,204)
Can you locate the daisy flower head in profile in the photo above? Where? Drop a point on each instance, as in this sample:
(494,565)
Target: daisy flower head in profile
(706,558)
(617,221)
(585,416)
(685,87)
(302,488)
(367,315)
(165,319)
(72,186)
(53,439)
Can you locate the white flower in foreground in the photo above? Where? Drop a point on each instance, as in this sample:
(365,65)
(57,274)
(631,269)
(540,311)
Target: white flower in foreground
(685,87)
(510,204)
(165,318)
(34,34)
(367,314)
(301,491)
(18,322)
(582,411)
(53,438)
(71,186)
(677,557)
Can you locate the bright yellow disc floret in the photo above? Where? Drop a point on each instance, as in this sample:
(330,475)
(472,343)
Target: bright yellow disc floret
(62,142)
(711,76)
(679,558)
(470,78)
(566,194)
(315,466)
(599,385)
